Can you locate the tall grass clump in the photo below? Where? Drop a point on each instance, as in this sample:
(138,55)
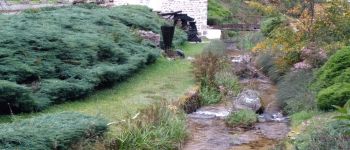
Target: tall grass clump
(228,80)
(205,68)
(294,92)
(242,118)
(159,126)
(248,40)
(61,54)
(52,131)
(208,63)
(209,95)
(266,63)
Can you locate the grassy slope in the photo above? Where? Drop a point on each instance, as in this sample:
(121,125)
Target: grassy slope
(164,79)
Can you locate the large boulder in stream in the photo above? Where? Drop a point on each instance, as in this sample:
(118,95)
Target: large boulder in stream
(247,99)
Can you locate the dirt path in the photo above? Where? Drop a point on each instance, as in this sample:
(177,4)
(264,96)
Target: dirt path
(209,132)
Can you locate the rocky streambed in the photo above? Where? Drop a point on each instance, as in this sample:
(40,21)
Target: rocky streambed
(207,127)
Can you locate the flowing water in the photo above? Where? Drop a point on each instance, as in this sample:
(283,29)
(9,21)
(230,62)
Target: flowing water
(208,130)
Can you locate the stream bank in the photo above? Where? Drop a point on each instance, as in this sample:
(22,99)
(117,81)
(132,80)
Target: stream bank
(207,127)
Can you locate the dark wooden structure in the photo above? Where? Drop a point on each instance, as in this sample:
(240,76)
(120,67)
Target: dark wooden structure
(238,27)
(187,24)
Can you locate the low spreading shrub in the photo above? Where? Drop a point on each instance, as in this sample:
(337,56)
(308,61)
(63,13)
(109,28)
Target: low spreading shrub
(60,91)
(54,131)
(242,118)
(14,97)
(324,137)
(65,53)
(337,94)
(294,93)
(159,126)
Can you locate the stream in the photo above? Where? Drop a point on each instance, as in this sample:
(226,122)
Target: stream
(208,130)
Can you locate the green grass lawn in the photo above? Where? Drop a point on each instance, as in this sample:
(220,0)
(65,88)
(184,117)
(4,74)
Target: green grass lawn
(162,80)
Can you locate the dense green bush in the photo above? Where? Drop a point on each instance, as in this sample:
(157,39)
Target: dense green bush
(65,53)
(335,70)
(324,137)
(294,93)
(333,80)
(242,118)
(337,94)
(54,131)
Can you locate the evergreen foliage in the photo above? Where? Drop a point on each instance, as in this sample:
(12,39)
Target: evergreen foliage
(14,96)
(335,70)
(61,54)
(337,94)
(55,131)
(332,80)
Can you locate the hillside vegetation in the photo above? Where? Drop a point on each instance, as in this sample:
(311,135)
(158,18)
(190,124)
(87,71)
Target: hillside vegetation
(305,51)
(54,55)
(230,11)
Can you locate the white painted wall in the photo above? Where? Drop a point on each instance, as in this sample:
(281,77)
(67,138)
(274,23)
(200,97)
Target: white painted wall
(156,5)
(213,34)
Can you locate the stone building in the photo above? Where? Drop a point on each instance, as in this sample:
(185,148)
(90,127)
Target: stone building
(197,9)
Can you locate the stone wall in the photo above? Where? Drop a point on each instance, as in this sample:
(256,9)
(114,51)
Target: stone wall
(197,9)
